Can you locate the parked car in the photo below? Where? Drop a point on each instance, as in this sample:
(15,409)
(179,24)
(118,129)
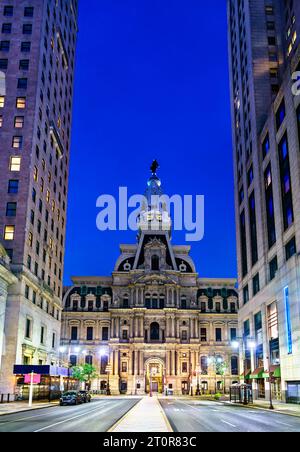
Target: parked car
(86,396)
(71,398)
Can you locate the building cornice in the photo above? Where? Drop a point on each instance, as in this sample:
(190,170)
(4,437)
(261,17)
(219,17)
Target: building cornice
(7,275)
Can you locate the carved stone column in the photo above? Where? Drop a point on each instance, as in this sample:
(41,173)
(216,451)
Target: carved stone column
(136,362)
(116,366)
(173,327)
(141,363)
(196,328)
(142,334)
(178,369)
(168,362)
(173,362)
(118,327)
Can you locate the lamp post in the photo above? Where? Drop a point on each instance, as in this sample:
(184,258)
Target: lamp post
(108,370)
(271,407)
(151,393)
(198,370)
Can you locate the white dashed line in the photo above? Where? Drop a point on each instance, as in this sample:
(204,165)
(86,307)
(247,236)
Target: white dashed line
(228,423)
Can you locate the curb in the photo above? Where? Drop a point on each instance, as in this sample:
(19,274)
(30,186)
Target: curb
(28,409)
(170,429)
(113,427)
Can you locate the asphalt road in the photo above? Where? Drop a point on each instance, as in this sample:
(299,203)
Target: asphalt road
(195,416)
(97,416)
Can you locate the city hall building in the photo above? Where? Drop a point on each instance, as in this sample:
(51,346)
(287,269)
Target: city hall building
(154,324)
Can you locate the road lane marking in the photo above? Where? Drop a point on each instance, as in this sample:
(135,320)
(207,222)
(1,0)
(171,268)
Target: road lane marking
(228,423)
(23,419)
(66,420)
(283,423)
(34,417)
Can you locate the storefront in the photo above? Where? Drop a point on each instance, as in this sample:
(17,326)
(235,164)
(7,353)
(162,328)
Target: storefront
(293,392)
(275,375)
(53,381)
(258,383)
(246,377)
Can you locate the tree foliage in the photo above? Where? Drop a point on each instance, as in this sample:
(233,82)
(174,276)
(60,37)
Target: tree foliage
(84,373)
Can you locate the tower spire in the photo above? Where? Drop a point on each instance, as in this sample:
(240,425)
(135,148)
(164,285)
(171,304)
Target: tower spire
(154,167)
(154,215)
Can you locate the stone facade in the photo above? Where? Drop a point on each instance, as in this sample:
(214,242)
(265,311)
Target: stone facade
(265,117)
(6,279)
(37,54)
(154,319)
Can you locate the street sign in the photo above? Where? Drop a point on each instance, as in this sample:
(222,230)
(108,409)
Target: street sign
(36,379)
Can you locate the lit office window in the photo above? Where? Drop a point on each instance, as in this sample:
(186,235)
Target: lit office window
(15,164)
(19,122)
(35,174)
(9,233)
(17,142)
(2,101)
(21,103)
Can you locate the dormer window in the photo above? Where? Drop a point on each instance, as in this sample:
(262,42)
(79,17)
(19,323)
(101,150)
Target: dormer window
(155,263)
(182,267)
(127,267)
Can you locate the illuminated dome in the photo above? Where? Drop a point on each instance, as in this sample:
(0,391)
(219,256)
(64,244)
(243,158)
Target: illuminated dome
(154,215)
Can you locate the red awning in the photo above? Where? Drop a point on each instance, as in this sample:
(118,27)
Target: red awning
(257,371)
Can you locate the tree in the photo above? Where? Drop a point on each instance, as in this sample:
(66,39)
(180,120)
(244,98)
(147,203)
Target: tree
(221,369)
(84,374)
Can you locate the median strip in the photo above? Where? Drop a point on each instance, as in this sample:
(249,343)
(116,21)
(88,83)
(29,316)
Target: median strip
(145,416)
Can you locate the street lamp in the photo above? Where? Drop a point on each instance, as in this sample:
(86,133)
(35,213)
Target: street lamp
(271,407)
(198,370)
(108,370)
(235,345)
(252,345)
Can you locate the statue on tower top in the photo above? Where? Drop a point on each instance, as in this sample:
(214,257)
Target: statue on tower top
(154,167)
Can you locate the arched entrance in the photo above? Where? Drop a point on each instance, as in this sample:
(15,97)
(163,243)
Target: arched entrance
(154,375)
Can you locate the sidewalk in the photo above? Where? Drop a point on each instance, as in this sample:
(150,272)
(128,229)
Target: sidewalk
(279,407)
(18,407)
(146,416)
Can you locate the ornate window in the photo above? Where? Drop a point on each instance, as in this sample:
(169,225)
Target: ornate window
(234,365)
(155,263)
(125,302)
(89,360)
(162,301)
(154,331)
(204,365)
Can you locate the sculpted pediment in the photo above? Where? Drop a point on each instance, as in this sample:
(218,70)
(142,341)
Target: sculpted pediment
(155,279)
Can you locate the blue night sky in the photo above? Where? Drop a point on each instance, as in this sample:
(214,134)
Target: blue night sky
(151,82)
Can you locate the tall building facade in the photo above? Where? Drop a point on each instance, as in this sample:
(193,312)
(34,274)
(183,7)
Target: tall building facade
(7,278)
(154,323)
(264,53)
(37,54)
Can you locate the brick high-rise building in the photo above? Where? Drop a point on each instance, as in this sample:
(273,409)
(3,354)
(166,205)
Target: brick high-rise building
(264,53)
(37,53)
